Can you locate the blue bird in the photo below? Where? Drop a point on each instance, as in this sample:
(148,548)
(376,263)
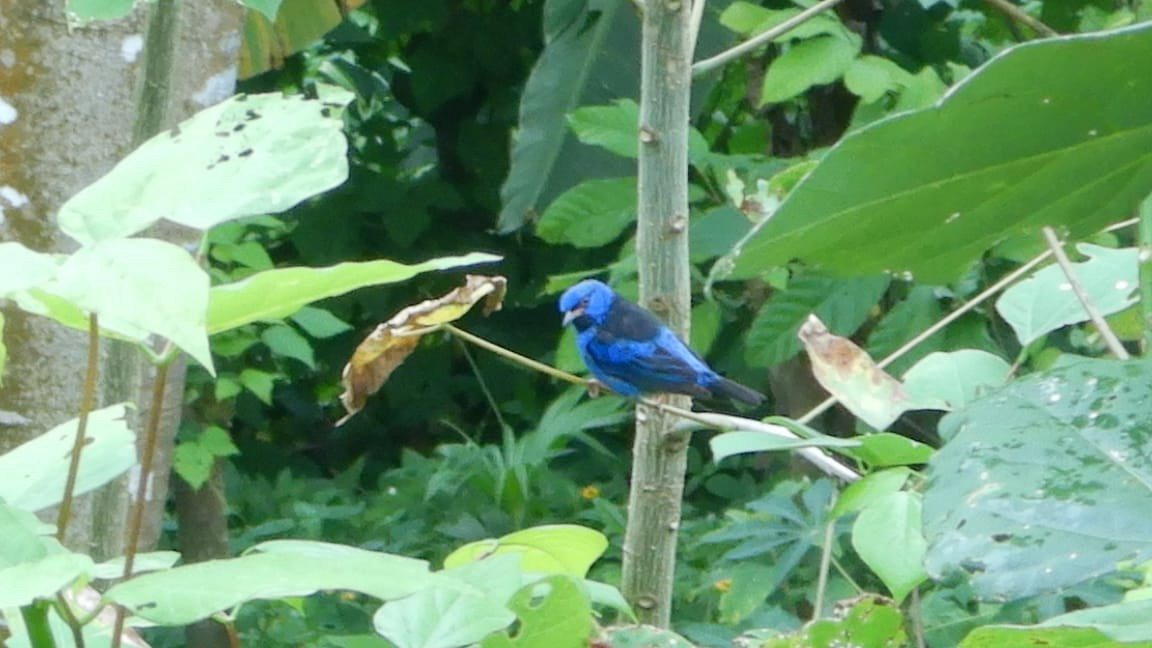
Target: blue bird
(632,352)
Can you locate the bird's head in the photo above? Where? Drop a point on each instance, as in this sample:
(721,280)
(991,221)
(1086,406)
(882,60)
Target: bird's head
(586,303)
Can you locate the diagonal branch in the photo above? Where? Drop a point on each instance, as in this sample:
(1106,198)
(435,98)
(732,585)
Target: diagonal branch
(709,64)
(1106,332)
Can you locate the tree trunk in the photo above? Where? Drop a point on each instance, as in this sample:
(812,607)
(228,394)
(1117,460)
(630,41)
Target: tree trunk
(84,97)
(659,454)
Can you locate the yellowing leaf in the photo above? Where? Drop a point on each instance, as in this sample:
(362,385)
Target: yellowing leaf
(391,343)
(850,374)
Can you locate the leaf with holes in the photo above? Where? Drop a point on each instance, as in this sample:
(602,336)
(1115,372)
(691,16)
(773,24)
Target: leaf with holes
(1035,489)
(251,154)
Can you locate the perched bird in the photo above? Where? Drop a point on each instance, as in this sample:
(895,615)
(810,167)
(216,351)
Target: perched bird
(632,352)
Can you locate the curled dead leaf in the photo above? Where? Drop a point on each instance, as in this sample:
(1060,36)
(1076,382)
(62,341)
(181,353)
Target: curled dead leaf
(382,351)
(850,374)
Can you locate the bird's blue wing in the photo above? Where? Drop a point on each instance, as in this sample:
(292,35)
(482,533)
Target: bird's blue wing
(661,364)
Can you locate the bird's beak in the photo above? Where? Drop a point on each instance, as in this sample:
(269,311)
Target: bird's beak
(571,315)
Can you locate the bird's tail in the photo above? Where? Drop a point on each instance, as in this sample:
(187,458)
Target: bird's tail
(736,391)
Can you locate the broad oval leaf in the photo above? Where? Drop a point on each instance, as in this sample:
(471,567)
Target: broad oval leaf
(251,154)
(551,549)
(289,570)
(442,616)
(21,268)
(888,538)
(591,214)
(955,378)
(728,444)
(927,193)
(32,475)
(1040,484)
(1045,302)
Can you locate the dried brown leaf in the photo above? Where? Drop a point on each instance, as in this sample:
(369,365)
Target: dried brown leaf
(392,342)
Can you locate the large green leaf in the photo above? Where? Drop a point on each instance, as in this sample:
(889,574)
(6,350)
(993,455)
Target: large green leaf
(21,268)
(32,475)
(575,32)
(32,564)
(274,294)
(139,287)
(442,616)
(562,618)
(1045,302)
(1043,483)
(550,549)
(892,520)
(812,62)
(842,304)
(287,569)
(251,154)
(1012,148)
(591,214)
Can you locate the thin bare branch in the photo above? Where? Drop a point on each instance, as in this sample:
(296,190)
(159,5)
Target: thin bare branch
(1018,15)
(763,38)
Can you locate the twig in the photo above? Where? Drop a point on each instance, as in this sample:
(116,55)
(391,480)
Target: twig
(1017,14)
(816,456)
(86,398)
(483,384)
(709,64)
(1106,332)
(917,621)
(146,460)
(1144,234)
(712,421)
(697,19)
(825,559)
(954,315)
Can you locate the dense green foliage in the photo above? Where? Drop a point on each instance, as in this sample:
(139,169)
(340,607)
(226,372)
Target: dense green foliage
(833,173)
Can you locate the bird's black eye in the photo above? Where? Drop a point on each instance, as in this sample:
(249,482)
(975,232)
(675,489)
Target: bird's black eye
(583,302)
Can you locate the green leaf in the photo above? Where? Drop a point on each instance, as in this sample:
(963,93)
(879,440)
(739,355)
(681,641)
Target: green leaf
(441,616)
(274,294)
(33,565)
(284,341)
(750,586)
(1045,301)
(319,323)
(707,318)
(260,383)
(887,449)
(871,487)
(870,621)
(1035,488)
(139,287)
(616,128)
(888,539)
(727,444)
(749,19)
(251,154)
(871,77)
(289,570)
(924,193)
(956,378)
(142,562)
(193,463)
(562,617)
(1126,621)
(641,636)
(32,475)
(1000,636)
(575,32)
(842,304)
(907,319)
(551,549)
(3,351)
(812,62)
(266,7)
(21,268)
(591,214)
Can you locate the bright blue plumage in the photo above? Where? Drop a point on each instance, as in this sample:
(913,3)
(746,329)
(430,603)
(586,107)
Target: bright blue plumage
(633,353)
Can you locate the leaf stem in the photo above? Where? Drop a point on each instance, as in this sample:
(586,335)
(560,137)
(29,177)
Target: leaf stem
(709,64)
(91,372)
(146,459)
(513,356)
(825,560)
(1106,332)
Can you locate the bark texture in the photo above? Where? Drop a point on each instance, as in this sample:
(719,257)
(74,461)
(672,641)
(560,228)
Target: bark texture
(79,98)
(659,455)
